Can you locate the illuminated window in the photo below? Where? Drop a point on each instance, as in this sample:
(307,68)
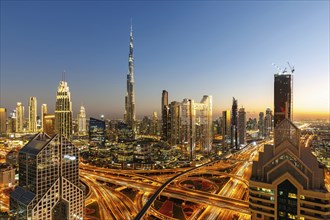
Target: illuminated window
(290,216)
(282,214)
(302,197)
(292,195)
(302,218)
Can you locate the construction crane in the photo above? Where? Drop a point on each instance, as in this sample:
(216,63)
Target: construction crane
(280,69)
(291,68)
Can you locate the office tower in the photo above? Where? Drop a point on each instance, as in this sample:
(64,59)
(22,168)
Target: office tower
(191,124)
(49,124)
(7,175)
(287,181)
(225,124)
(174,133)
(11,123)
(268,127)
(154,124)
(165,116)
(44,110)
(19,117)
(282,97)
(96,132)
(63,111)
(129,98)
(49,186)
(233,128)
(82,121)
(261,125)
(3,120)
(33,114)
(242,126)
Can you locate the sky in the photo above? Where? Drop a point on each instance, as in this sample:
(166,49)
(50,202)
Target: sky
(189,48)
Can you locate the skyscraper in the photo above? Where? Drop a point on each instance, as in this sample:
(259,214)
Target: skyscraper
(130,98)
(82,121)
(287,181)
(191,124)
(44,110)
(225,124)
(96,132)
(165,116)
(33,114)
(63,111)
(268,122)
(261,125)
(233,135)
(242,126)
(282,97)
(49,124)
(19,117)
(3,119)
(49,186)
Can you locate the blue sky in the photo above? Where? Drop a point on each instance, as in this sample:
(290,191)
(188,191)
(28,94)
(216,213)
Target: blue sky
(189,48)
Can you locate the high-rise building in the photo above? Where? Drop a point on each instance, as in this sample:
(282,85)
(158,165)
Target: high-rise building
(19,117)
(242,126)
(7,175)
(165,116)
(154,129)
(225,124)
(96,132)
(191,125)
(33,114)
(49,124)
(261,125)
(282,97)
(11,123)
(63,111)
(3,120)
(44,110)
(82,122)
(233,128)
(287,181)
(49,186)
(130,97)
(268,122)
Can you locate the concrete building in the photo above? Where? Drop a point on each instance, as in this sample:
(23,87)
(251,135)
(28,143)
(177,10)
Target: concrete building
(49,124)
(32,114)
(82,125)
(49,186)
(7,175)
(19,117)
(44,110)
(3,120)
(242,126)
(63,111)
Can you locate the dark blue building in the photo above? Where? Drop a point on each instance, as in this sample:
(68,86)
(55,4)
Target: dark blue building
(96,132)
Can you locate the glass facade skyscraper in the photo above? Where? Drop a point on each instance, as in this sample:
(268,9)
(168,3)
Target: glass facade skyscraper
(96,132)
(49,186)
(282,97)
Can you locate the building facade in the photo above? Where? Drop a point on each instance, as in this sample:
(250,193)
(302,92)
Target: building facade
(19,117)
(49,186)
(282,101)
(242,126)
(82,126)
(7,175)
(96,132)
(63,111)
(268,127)
(3,120)
(49,124)
(233,124)
(44,110)
(165,116)
(129,115)
(32,114)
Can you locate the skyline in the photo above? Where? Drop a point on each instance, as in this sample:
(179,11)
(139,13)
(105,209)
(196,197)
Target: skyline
(205,37)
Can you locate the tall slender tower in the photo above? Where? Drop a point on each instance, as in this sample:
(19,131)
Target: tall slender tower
(32,114)
(19,117)
(234,115)
(82,121)
(242,126)
(44,110)
(63,111)
(129,98)
(3,118)
(282,97)
(165,116)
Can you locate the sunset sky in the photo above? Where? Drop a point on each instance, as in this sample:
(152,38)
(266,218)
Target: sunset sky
(190,48)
